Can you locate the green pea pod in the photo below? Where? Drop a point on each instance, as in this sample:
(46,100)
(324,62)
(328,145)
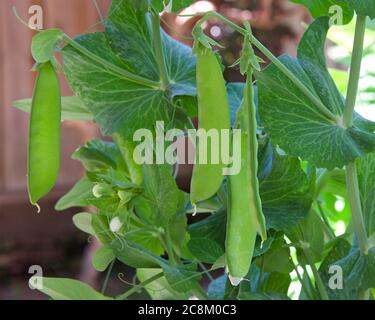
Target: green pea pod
(245,215)
(213,113)
(44,134)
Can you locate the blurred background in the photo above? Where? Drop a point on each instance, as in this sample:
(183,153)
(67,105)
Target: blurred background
(49,238)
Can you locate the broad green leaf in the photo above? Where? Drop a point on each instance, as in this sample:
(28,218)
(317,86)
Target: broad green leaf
(115,101)
(83,221)
(180,4)
(100,224)
(146,240)
(159,289)
(285,193)
(363,7)
(319,8)
(294,122)
(308,232)
(276,259)
(102,258)
(366,177)
(68,289)
(358,271)
(337,249)
(212,228)
(263,282)
(134,255)
(72,108)
(99,155)
(205,250)
(170,5)
(182,278)
(44,44)
(178,232)
(77,197)
(161,198)
(262,296)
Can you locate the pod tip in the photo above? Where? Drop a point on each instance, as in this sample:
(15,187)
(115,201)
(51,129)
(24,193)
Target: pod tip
(235,281)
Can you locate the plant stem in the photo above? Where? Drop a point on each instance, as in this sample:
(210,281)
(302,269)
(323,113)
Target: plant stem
(303,284)
(319,104)
(158,47)
(318,280)
(351,170)
(356,207)
(355,70)
(133,290)
(331,234)
(109,271)
(128,75)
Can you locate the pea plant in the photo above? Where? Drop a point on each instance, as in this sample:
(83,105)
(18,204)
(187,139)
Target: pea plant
(264,232)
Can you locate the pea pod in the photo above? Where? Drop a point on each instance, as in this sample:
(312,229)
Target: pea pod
(245,215)
(44,134)
(213,113)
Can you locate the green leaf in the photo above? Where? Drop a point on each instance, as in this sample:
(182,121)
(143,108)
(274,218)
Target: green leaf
(182,278)
(102,258)
(161,197)
(177,5)
(115,101)
(276,259)
(285,193)
(134,255)
(83,221)
(262,296)
(358,271)
(308,232)
(146,240)
(366,180)
(337,250)
(68,289)
(160,288)
(213,228)
(100,224)
(98,155)
(319,8)
(72,108)
(44,44)
(205,250)
(77,197)
(363,7)
(294,122)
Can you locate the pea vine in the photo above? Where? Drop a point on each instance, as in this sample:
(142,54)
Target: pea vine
(259,233)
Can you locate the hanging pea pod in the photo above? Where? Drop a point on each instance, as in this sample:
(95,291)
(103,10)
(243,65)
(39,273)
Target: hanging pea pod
(245,215)
(213,114)
(44,134)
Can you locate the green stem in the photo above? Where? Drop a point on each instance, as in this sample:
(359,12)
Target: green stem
(319,104)
(318,280)
(107,276)
(356,207)
(136,288)
(355,70)
(158,47)
(331,234)
(128,75)
(303,284)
